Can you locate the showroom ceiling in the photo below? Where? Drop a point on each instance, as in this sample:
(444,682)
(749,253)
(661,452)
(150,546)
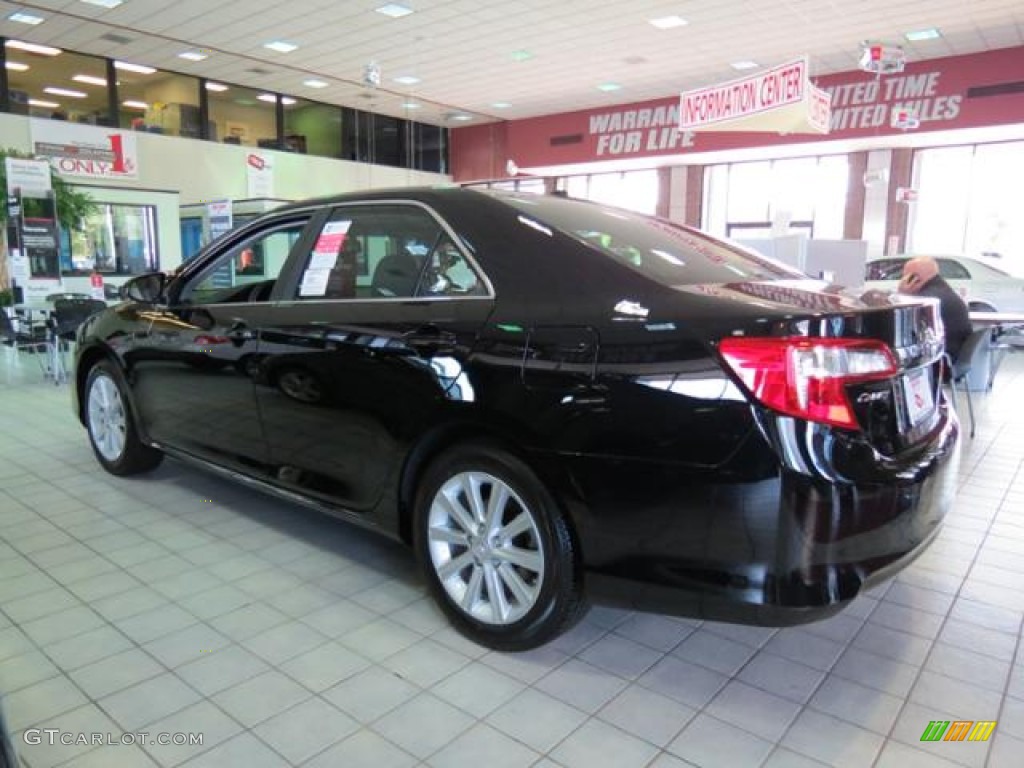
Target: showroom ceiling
(490,60)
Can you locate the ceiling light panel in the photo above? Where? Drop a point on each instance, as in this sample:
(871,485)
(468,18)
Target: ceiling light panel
(42,103)
(406,80)
(140,69)
(193,55)
(668,22)
(104,3)
(65,92)
(394,10)
(315,83)
(746,64)
(90,79)
(216,87)
(135,104)
(16,66)
(23,17)
(42,50)
(609,87)
(281,46)
(920,35)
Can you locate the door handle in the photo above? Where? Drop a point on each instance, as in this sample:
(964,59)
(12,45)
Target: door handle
(239,332)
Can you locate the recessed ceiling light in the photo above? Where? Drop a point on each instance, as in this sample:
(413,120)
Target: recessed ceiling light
(462,117)
(43,50)
(65,92)
(90,79)
(193,55)
(747,64)
(16,66)
(268,97)
(104,3)
(217,87)
(501,105)
(140,69)
(315,83)
(521,55)
(406,80)
(42,103)
(135,104)
(919,35)
(609,87)
(287,101)
(26,18)
(394,10)
(280,46)
(668,22)
(411,105)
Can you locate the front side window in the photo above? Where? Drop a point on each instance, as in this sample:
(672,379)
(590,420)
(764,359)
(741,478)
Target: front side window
(952,270)
(385,252)
(231,278)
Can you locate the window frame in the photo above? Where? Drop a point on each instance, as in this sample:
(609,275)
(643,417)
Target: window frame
(195,269)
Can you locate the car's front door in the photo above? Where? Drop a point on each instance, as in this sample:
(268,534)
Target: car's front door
(190,372)
(369,350)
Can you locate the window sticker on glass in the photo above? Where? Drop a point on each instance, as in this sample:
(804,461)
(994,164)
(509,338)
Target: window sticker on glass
(332,237)
(314,282)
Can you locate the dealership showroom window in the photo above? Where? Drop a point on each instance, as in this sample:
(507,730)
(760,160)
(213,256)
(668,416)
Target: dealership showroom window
(465,384)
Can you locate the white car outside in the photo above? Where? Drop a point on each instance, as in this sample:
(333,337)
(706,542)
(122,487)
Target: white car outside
(983,287)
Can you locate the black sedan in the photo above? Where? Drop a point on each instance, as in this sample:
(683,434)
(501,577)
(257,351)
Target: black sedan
(548,399)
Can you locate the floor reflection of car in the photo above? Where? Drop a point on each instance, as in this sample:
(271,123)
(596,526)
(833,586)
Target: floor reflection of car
(984,287)
(553,402)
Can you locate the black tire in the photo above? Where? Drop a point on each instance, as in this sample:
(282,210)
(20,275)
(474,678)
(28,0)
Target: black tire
(543,591)
(111,426)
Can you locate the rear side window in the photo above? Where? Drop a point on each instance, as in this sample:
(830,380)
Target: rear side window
(952,270)
(385,251)
(659,249)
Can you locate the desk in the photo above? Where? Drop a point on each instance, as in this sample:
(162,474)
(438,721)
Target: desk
(997,318)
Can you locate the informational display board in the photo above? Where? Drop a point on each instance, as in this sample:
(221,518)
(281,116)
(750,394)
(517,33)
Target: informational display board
(33,231)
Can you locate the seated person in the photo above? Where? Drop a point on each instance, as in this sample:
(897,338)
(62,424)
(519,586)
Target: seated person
(921,278)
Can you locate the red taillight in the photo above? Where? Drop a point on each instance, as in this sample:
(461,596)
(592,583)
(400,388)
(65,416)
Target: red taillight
(807,377)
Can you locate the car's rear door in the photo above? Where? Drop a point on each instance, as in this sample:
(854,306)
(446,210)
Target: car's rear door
(368,350)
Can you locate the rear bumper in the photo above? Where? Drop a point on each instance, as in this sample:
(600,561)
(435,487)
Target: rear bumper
(781,551)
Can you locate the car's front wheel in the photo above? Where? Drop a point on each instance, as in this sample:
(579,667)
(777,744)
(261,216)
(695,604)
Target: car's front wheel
(496,549)
(112,432)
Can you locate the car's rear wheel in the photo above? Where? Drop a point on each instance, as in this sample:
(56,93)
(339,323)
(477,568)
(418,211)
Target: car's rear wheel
(496,549)
(112,432)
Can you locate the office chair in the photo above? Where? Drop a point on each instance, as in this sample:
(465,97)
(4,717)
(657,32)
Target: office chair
(974,347)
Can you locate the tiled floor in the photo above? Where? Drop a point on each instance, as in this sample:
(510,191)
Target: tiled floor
(182,604)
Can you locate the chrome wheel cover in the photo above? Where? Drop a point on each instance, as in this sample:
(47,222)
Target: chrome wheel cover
(485,548)
(105,415)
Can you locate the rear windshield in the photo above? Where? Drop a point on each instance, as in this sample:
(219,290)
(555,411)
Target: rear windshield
(658,249)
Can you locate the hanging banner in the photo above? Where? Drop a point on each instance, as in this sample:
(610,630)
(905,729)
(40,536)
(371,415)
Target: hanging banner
(218,214)
(84,150)
(28,175)
(260,174)
(779,100)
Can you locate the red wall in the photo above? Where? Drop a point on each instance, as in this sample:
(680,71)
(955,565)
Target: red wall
(956,92)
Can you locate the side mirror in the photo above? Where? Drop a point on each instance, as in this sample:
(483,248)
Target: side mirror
(145,289)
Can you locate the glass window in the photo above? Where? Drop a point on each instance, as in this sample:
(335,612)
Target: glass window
(232,278)
(885,269)
(666,252)
(385,251)
(160,102)
(952,270)
(750,186)
(68,86)
(632,190)
(943,178)
(116,239)
(312,128)
(240,116)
